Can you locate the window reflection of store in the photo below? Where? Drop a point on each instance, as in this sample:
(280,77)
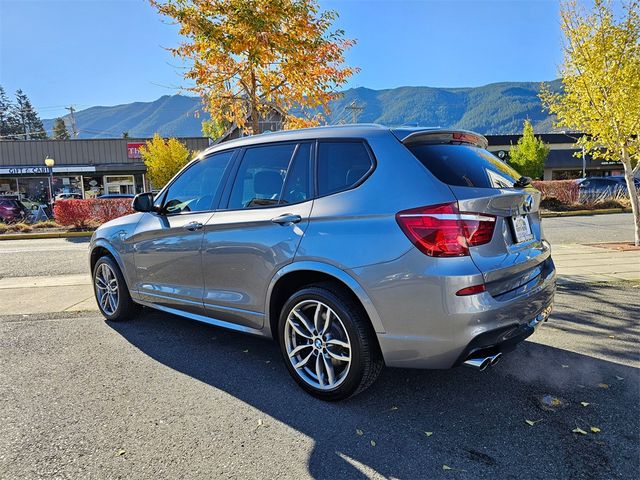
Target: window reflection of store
(34,189)
(92,186)
(123,184)
(65,186)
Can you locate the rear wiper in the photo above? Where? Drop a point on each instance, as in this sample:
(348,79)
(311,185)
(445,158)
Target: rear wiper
(522,182)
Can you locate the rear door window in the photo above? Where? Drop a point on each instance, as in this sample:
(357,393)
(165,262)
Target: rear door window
(465,166)
(341,165)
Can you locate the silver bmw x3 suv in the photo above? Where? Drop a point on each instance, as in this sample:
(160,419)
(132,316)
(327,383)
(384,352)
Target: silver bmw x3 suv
(353,247)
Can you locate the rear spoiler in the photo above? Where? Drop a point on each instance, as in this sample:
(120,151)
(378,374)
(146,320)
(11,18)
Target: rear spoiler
(411,136)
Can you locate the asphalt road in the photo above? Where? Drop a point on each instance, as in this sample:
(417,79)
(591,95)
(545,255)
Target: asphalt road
(163,397)
(617,227)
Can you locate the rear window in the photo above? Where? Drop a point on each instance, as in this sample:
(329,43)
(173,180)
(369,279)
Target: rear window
(465,166)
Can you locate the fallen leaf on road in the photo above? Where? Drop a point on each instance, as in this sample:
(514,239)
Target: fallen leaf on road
(612,336)
(603,385)
(595,429)
(260,422)
(531,423)
(268,361)
(550,402)
(428,434)
(121,452)
(373,443)
(446,467)
(579,430)
(585,404)
(246,351)
(359,432)
(565,366)
(619,378)
(394,408)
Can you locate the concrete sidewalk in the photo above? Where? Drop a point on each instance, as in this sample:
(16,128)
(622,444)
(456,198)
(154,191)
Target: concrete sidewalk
(72,293)
(585,264)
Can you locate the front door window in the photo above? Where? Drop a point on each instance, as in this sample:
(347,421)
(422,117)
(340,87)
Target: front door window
(121,184)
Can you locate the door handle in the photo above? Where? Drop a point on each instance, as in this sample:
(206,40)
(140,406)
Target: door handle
(193,226)
(286,219)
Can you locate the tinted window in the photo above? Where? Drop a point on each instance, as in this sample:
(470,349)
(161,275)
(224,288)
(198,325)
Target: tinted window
(195,189)
(261,176)
(465,166)
(297,187)
(341,165)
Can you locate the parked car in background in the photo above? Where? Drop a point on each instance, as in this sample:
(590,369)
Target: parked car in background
(354,247)
(12,210)
(592,188)
(115,195)
(68,196)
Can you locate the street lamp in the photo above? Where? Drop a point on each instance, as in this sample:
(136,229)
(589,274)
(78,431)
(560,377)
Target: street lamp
(50,162)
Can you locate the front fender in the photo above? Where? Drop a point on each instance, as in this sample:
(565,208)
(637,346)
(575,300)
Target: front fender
(125,268)
(333,271)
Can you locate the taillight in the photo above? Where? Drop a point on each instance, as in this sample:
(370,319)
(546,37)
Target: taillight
(443,231)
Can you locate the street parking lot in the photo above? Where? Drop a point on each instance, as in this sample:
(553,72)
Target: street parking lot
(164,397)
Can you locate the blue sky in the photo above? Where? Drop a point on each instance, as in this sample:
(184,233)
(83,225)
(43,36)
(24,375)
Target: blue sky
(99,52)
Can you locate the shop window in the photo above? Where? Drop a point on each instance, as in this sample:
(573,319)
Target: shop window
(92,186)
(68,187)
(8,187)
(121,184)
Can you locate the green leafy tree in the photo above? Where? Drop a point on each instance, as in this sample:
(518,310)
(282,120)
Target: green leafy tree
(214,129)
(60,131)
(30,125)
(601,83)
(163,158)
(529,154)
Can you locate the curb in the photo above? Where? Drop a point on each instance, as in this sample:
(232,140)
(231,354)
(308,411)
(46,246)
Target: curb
(29,236)
(584,213)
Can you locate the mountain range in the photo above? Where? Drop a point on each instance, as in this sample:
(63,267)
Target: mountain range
(497,108)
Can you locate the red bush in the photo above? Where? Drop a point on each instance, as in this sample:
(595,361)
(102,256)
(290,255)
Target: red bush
(566,191)
(83,213)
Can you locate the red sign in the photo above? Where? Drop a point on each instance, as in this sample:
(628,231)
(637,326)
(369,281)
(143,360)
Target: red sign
(133,149)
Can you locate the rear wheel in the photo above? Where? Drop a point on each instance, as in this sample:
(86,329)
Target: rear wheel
(112,294)
(328,344)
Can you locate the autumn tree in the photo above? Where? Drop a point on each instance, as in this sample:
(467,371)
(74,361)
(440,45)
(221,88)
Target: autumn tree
(163,158)
(60,131)
(248,57)
(529,154)
(601,83)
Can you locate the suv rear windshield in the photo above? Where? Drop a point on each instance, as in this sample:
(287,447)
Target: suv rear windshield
(465,166)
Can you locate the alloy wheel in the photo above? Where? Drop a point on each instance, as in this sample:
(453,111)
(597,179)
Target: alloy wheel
(317,344)
(106,289)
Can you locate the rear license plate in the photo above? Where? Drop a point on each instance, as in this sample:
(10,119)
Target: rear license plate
(521,228)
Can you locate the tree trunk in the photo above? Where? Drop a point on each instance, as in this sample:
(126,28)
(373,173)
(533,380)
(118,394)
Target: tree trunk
(255,115)
(633,192)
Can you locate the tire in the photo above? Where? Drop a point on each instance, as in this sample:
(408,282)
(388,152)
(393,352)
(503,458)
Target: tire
(117,305)
(323,346)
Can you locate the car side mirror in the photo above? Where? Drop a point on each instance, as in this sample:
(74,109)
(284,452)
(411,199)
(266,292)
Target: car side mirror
(143,202)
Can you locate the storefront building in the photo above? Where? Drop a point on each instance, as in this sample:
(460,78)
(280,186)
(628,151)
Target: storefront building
(82,169)
(565,160)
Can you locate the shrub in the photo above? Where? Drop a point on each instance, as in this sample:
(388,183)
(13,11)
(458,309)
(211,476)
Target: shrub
(90,212)
(3,227)
(45,224)
(565,191)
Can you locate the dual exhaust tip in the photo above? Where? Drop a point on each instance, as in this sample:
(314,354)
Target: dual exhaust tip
(482,363)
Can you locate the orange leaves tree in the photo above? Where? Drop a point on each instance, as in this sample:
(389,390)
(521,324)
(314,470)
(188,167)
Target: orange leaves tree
(249,58)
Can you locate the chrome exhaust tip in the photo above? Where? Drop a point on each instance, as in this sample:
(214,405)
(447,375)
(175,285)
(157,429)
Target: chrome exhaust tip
(496,359)
(478,363)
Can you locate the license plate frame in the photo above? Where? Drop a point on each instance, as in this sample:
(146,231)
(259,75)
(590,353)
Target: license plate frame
(521,228)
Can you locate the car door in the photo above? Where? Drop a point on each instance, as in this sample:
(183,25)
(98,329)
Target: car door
(268,203)
(167,244)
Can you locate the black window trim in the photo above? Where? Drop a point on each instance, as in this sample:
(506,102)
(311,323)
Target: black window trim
(226,197)
(372,158)
(216,200)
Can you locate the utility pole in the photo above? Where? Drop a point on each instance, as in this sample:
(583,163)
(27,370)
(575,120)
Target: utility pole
(355,111)
(73,121)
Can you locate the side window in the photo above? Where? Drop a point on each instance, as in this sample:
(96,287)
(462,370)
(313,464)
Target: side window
(195,189)
(297,185)
(261,176)
(341,165)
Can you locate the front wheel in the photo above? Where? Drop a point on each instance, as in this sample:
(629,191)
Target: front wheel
(328,344)
(111,291)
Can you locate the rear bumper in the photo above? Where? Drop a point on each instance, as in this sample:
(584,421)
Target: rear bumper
(427,326)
